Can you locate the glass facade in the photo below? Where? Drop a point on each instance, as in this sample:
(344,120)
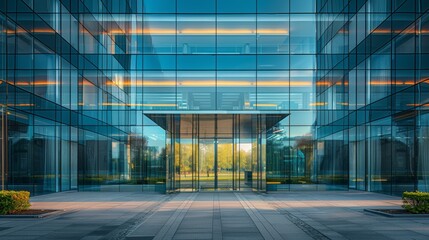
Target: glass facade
(371,85)
(191,95)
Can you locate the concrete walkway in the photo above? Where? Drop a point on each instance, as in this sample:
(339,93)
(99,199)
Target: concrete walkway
(232,215)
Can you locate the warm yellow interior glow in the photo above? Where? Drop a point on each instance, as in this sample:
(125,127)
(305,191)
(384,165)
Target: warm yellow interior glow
(43,30)
(213,83)
(418,105)
(208,31)
(36,30)
(20,104)
(211,31)
(141,104)
(374,82)
(343,103)
(265,105)
(318,104)
(385,83)
(406,31)
(36,83)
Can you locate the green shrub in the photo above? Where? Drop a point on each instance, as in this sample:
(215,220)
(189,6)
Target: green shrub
(12,201)
(416,202)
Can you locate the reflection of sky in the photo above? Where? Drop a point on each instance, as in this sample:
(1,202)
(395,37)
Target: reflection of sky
(299,118)
(155,136)
(228,6)
(115,150)
(296,131)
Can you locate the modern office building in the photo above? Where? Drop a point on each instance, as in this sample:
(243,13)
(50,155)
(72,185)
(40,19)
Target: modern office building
(214,95)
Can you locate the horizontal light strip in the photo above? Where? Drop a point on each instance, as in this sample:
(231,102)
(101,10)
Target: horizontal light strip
(265,105)
(190,31)
(209,31)
(213,83)
(318,104)
(141,104)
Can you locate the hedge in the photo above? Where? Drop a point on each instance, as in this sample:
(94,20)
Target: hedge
(416,202)
(12,201)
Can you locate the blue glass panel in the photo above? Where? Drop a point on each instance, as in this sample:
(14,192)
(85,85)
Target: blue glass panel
(159,6)
(196,6)
(196,90)
(273,33)
(405,61)
(160,33)
(301,89)
(273,90)
(236,90)
(159,62)
(159,90)
(302,33)
(273,6)
(24,61)
(44,61)
(302,6)
(302,61)
(424,42)
(236,6)
(196,34)
(192,62)
(236,62)
(275,62)
(236,34)
(46,6)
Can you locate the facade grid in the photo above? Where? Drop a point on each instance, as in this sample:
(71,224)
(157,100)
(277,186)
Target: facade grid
(191,95)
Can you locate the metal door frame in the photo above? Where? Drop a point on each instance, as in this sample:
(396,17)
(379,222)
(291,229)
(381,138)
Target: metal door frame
(4,139)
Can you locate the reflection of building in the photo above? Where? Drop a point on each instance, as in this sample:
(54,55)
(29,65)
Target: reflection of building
(284,94)
(372,95)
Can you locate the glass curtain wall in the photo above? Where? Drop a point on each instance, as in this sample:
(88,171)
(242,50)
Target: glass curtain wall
(371,82)
(3,146)
(3,105)
(78,77)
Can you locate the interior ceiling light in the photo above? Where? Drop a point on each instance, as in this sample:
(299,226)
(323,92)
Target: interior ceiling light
(209,31)
(219,83)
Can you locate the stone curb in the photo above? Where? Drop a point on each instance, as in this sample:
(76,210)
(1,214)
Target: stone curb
(375,211)
(43,215)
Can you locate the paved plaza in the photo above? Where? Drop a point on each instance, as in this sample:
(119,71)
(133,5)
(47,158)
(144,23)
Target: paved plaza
(223,215)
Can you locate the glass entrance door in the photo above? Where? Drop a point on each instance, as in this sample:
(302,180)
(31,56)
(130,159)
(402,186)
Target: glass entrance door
(215,152)
(206,165)
(225,164)
(216,162)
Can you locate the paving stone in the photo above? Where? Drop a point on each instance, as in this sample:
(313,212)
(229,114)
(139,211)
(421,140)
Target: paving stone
(239,236)
(287,215)
(193,236)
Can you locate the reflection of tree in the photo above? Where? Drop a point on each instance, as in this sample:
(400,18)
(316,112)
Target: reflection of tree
(305,145)
(224,160)
(137,144)
(162,155)
(290,160)
(245,160)
(207,158)
(185,158)
(147,163)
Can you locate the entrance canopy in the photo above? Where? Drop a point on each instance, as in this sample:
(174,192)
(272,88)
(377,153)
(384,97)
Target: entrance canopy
(217,121)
